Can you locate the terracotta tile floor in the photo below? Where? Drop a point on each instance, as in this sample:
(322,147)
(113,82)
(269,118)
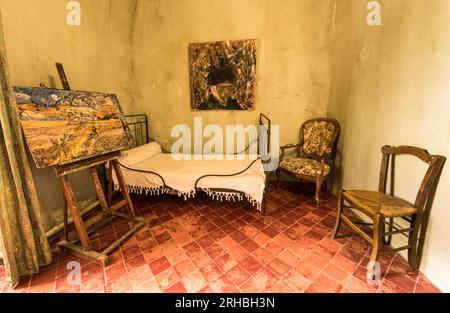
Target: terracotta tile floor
(201,245)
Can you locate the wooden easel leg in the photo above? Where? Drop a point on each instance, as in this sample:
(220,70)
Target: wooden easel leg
(99,188)
(338,216)
(78,221)
(101,219)
(65,217)
(122,185)
(110,183)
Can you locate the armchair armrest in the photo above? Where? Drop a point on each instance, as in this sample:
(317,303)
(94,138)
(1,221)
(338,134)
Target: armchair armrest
(285,147)
(288,146)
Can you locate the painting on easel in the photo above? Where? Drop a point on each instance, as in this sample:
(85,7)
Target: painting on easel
(63,126)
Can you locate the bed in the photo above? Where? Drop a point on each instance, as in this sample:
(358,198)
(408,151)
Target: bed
(148,170)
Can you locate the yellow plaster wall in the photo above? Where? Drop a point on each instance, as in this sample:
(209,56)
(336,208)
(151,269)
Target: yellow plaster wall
(390,85)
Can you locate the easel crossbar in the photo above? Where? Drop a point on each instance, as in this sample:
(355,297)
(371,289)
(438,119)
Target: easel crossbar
(108,214)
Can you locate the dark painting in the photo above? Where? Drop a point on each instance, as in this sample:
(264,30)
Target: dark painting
(223,75)
(62,126)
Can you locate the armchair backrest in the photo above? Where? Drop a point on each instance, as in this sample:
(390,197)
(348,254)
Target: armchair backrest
(317,137)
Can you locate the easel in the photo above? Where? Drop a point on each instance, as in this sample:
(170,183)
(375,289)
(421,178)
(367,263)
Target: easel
(109,210)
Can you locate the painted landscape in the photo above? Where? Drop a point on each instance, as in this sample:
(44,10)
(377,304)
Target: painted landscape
(223,75)
(62,126)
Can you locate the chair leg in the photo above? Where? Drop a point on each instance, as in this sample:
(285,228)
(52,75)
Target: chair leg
(318,187)
(412,241)
(278,178)
(388,239)
(338,217)
(378,227)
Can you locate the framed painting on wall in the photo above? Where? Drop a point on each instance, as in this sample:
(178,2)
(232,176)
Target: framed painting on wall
(223,75)
(62,126)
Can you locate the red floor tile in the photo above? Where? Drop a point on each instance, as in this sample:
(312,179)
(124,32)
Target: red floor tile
(296,281)
(263,280)
(223,284)
(288,258)
(238,252)
(159,265)
(238,275)
(201,259)
(251,265)
(149,286)
(205,241)
(211,271)
(192,248)
(278,267)
(177,288)
(167,279)
(226,262)
(194,282)
(214,251)
(114,271)
(238,236)
(227,243)
(336,273)
(263,256)
(249,245)
(184,268)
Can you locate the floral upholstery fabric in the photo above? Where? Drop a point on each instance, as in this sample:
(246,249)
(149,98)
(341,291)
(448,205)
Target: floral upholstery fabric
(372,202)
(301,166)
(317,136)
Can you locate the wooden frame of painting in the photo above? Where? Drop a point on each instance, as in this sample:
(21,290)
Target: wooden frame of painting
(223,75)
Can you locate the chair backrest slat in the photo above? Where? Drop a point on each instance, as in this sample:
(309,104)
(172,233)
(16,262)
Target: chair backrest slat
(418,152)
(436,163)
(383,172)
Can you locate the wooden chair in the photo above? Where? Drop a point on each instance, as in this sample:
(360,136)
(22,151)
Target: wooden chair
(383,208)
(317,140)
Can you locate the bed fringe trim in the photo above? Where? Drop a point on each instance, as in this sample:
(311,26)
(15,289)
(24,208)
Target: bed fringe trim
(231,196)
(154,191)
(215,195)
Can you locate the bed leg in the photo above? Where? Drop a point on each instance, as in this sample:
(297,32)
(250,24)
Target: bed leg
(263,206)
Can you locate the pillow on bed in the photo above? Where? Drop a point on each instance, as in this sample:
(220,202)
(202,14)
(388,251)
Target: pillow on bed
(139,154)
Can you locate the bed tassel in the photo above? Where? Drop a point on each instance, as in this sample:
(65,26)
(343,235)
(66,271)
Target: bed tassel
(187,195)
(231,196)
(153,191)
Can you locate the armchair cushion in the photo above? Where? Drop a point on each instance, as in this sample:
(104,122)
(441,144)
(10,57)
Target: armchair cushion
(301,166)
(317,136)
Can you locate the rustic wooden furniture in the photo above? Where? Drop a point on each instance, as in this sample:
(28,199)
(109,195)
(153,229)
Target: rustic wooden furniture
(62,76)
(109,210)
(383,208)
(314,151)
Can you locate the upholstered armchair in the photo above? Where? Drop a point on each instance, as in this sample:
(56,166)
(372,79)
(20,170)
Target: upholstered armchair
(313,153)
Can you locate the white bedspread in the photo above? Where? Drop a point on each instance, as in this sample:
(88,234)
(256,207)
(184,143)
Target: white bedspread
(181,175)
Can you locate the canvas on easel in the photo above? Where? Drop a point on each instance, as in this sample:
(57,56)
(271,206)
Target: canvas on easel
(74,131)
(64,126)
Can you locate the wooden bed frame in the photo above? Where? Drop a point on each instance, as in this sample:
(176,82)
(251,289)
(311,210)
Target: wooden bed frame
(138,124)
